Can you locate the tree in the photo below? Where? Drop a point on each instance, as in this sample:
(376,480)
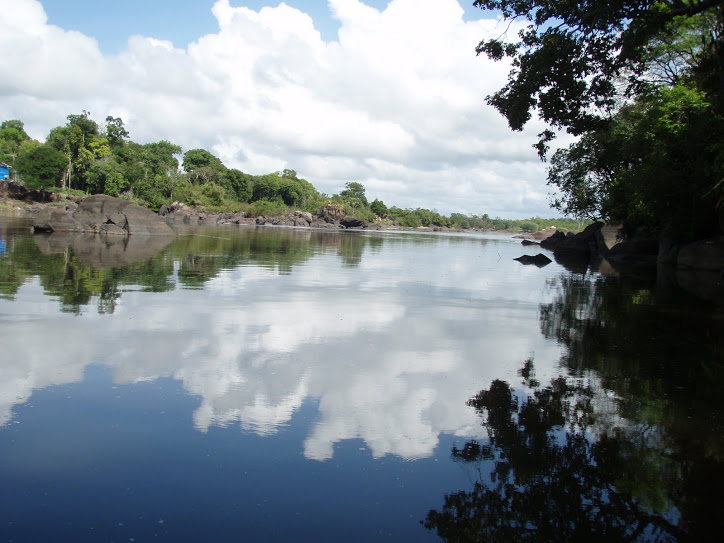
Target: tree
(160,157)
(87,126)
(287,174)
(574,60)
(12,136)
(106,177)
(354,191)
(240,183)
(650,166)
(379,208)
(199,158)
(41,166)
(116,133)
(266,187)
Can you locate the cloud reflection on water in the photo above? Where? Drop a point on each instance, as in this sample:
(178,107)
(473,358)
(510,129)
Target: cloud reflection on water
(390,350)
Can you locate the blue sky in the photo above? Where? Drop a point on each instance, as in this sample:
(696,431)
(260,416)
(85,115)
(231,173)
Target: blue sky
(388,93)
(179,21)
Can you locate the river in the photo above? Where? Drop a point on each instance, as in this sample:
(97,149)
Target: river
(278,384)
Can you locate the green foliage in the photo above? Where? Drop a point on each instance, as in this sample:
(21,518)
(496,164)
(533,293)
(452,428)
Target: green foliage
(354,191)
(571,58)
(287,190)
(240,183)
(418,217)
(106,177)
(41,166)
(528,226)
(81,157)
(153,192)
(649,166)
(267,208)
(379,208)
(116,133)
(12,137)
(657,160)
(200,158)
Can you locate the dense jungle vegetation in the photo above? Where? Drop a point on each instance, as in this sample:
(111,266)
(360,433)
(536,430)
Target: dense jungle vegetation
(641,85)
(89,158)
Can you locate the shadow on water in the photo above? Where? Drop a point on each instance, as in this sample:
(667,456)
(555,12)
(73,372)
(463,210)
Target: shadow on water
(627,444)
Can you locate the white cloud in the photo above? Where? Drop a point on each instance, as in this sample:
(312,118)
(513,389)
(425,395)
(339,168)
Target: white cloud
(396,103)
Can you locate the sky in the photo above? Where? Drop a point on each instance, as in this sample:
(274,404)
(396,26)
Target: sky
(388,93)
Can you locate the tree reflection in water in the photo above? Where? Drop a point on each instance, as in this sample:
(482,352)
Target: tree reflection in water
(625,446)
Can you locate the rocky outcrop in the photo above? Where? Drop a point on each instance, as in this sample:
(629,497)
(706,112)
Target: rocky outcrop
(102,214)
(539,260)
(705,254)
(16,191)
(610,235)
(583,243)
(330,215)
(181,214)
(331,212)
(638,251)
(353,222)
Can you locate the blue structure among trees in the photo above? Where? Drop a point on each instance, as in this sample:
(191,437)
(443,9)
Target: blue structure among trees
(4,171)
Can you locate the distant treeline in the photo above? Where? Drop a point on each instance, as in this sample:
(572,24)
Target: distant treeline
(88,158)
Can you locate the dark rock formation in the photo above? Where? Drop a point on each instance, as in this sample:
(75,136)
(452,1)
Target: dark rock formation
(641,251)
(16,191)
(179,213)
(331,212)
(705,254)
(539,260)
(583,242)
(553,241)
(102,214)
(527,242)
(352,222)
(610,235)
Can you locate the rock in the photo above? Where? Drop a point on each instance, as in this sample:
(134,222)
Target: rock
(553,241)
(16,191)
(608,236)
(539,260)
(543,234)
(527,242)
(102,214)
(706,254)
(331,212)
(641,252)
(669,247)
(305,216)
(352,222)
(704,284)
(583,242)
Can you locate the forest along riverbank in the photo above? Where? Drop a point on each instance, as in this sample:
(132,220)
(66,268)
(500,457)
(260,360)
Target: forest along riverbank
(697,267)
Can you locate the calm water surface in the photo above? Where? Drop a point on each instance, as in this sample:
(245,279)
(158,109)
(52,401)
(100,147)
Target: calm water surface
(268,384)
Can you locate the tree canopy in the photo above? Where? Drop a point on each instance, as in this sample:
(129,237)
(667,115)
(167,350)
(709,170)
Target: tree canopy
(574,59)
(641,82)
(93,158)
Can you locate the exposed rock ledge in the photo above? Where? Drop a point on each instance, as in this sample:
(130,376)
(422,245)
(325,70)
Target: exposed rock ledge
(327,216)
(101,214)
(613,243)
